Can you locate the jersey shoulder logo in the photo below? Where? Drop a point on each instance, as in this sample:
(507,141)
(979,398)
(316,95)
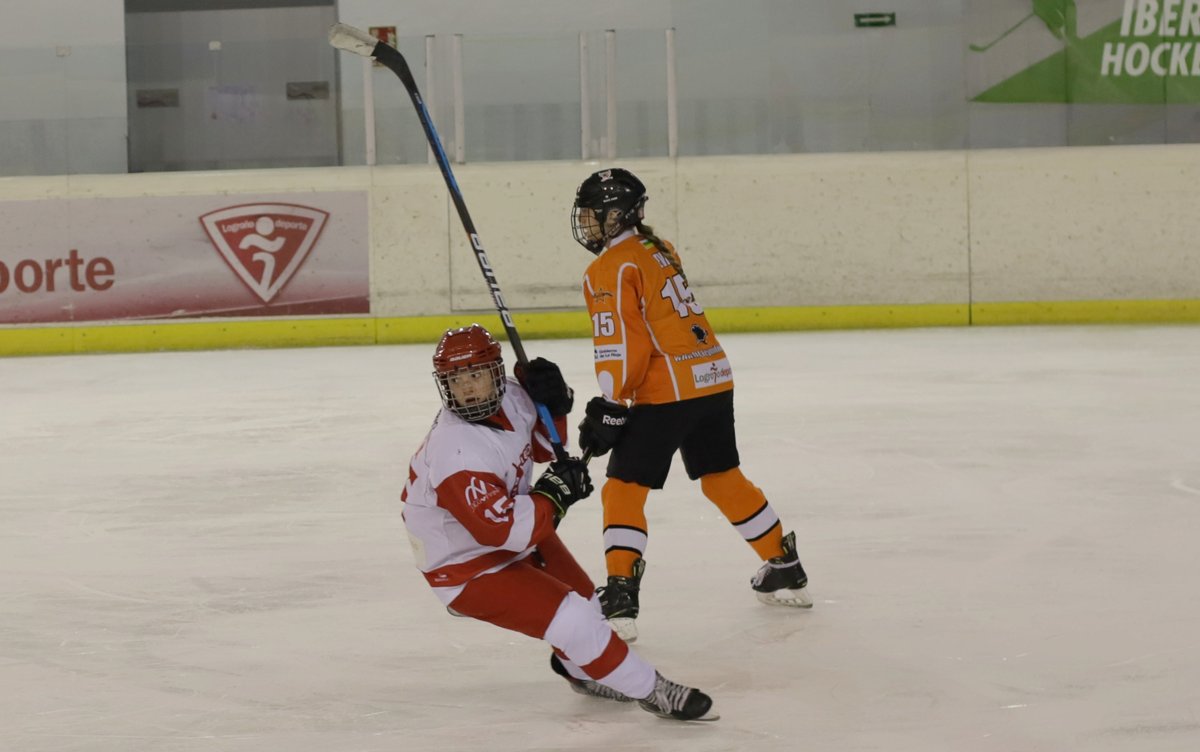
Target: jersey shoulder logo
(477,492)
(264,244)
(497,505)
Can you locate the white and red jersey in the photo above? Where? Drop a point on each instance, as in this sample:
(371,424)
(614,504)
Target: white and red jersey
(467,509)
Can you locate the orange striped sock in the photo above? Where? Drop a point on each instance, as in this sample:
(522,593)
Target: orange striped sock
(624,525)
(747,509)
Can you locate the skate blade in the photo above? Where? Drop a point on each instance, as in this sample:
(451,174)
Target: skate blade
(791,598)
(626,629)
(707,717)
(602,693)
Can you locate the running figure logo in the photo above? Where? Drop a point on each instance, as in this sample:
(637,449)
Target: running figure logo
(264,244)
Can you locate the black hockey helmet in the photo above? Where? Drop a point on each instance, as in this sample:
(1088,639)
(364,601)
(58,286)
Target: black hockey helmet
(605,204)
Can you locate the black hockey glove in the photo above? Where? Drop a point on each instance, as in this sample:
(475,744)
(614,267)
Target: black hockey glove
(601,426)
(564,482)
(545,384)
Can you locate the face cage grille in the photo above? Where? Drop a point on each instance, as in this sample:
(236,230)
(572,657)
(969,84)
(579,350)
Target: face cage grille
(578,229)
(475,411)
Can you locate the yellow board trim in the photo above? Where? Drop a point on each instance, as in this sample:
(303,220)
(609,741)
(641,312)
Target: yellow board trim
(323,332)
(836,317)
(1087,312)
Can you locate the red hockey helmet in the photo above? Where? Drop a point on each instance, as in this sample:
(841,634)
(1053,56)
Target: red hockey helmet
(468,367)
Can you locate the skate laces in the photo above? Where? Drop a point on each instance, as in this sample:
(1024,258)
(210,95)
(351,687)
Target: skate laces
(788,560)
(779,572)
(773,565)
(668,695)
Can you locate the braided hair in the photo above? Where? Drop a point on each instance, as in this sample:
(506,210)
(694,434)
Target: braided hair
(647,232)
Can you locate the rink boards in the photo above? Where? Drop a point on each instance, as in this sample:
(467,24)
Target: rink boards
(1079,235)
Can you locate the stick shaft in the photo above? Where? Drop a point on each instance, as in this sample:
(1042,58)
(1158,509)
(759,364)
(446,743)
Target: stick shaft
(391,58)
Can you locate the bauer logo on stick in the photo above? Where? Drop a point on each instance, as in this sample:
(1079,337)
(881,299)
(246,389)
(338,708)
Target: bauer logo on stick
(264,244)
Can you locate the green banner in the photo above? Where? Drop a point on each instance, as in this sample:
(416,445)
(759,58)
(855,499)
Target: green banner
(1150,55)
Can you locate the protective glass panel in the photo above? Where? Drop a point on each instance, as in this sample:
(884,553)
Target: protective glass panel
(521,97)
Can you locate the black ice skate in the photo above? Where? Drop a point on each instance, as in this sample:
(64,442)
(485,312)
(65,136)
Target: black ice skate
(671,700)
(587,687)
(781,581)
(619,602)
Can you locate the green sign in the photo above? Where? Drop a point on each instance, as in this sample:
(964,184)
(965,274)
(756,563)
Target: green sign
(1150,55)
(865,20)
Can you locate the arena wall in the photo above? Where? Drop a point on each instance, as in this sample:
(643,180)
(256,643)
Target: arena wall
(1082,235)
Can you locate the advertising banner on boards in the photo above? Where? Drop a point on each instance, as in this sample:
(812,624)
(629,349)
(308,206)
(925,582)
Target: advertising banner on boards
(1100,51)
(98,259)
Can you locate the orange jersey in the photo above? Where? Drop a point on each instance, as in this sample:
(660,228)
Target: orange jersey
(653,343)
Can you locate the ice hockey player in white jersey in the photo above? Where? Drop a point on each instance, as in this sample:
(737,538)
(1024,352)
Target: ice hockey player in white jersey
(484,535)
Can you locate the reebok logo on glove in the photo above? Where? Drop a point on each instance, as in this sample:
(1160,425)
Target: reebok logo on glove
(602,425)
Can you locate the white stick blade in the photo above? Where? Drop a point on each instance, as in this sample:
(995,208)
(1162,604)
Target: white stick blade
(346,37)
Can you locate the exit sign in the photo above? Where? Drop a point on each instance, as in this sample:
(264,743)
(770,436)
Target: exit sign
(874,20)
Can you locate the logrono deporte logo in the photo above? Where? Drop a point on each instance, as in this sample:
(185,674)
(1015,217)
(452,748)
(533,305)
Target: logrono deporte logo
(264,244)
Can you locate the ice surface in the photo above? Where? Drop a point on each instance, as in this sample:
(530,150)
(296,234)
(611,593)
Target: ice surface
(203,551)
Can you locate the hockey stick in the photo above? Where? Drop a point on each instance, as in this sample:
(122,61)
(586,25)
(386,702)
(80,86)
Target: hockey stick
(350,39)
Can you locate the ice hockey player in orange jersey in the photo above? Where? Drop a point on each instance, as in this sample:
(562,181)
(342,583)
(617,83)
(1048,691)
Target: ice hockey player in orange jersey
(666,386)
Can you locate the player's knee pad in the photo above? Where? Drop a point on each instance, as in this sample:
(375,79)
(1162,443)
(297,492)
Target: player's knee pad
(623,497)
(727,484)
(579,630)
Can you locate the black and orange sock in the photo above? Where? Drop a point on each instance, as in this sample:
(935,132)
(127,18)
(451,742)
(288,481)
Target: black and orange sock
(625,534)
(745,506)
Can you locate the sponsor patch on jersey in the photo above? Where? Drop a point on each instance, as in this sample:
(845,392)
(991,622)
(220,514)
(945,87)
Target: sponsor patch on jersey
(706,353)
(711,374)
(478,492)
(610,352)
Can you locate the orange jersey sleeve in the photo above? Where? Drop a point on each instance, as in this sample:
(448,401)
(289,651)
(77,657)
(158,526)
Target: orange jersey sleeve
(652,341)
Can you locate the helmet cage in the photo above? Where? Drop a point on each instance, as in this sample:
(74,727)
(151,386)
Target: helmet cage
(466,351)
(593,228)
(480,409)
